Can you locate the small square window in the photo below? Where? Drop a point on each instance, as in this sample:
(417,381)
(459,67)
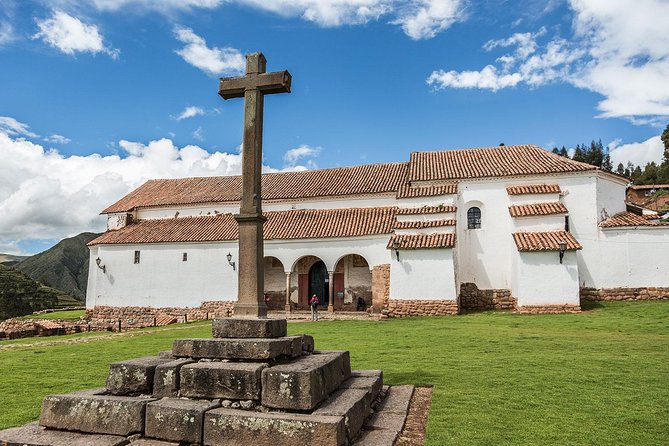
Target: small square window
(136,256)
(184,258)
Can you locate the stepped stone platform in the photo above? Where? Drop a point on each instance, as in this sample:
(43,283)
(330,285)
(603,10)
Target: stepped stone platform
(249,384)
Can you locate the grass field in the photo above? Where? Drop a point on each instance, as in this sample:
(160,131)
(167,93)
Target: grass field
(65,314)
(600,377)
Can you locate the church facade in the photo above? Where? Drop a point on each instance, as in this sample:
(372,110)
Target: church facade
(508,227)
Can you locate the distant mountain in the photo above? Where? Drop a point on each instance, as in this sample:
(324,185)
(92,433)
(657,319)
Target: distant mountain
(20,295)
(64,266)
(10,259)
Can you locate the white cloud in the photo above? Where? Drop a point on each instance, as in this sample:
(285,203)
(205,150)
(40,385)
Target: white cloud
(292,156)
(190,112)
(618,49)
(12,127)
(57,139)
(47,195)
(199,134)
(424,19)
(639,153)
(7,34)
(156,5)
(70,35)
(213,61)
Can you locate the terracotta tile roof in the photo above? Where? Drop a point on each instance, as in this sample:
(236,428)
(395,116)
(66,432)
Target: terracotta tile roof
(407,191)
(366,179)
(629,219)
(423,224)
(531,210)
(426,210)
(295,224)
(649,186)
(498,161)
(529,189)
(423,241)
(544,241)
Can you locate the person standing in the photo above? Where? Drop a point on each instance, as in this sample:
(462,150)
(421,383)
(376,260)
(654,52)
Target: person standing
(313,302)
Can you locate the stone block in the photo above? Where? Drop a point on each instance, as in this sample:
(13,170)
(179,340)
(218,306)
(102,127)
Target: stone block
(379,437)
(387,421)
(98,414)
(241,348)
(134,376)
(249,328)
(307,342)
(166,378)
(97,391)
(352,404)
(397,400)
(223,427)
(372,380)
(229,380)
(34,435)
(152,442)
(303,383)
(174,419)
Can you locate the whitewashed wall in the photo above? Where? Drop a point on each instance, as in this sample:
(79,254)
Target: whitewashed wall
(423,274)
(161,279)
(540,278)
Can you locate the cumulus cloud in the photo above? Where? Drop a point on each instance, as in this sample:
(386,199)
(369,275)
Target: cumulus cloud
(190,112)
(426,18)
(213,61)
(292,156)
(12,127)
(57,139)
(639,153)
(70,35)
(619,50)
(47,195)
(156,5)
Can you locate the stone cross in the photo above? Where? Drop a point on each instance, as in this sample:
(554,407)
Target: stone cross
(252,87)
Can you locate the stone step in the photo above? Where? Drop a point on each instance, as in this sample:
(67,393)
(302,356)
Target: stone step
(385,425)
(352,404)
(97,414)
(238,348)
(174,419)
(249,328)
(166,379)
(229,380)
(134,376)
(232,427)
(372,380)
(304,382)
(34,435)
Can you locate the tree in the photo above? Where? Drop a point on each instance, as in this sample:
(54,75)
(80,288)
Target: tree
(665,141)
(620,170)
(579,154)
(564,152)
(606,162)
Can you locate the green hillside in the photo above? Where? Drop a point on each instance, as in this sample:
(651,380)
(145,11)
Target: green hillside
(64,266)
(20,295)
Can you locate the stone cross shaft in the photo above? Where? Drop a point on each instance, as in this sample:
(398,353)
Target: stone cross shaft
(252,87)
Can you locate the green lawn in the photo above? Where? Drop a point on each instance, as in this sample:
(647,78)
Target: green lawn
(64,314)
(600,377)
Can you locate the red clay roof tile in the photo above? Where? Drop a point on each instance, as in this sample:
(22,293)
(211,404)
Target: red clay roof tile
(407,191)
(426,210)
(624,219)
(531,210)
(422,224)
(529,189)
(544,241)
(422,241)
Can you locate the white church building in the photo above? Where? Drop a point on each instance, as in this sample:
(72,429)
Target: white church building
(507,227)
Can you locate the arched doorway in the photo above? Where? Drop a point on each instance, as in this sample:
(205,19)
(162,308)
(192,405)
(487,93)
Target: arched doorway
(275,284)
(319,283)
(352,284)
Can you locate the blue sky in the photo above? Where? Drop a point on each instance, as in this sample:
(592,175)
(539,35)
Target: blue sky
(100,95)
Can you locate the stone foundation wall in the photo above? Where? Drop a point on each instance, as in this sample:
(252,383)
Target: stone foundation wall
(24,328)
(471,298)
(406,308)
(137,317)
(548,309)
(380,287)
(645,293)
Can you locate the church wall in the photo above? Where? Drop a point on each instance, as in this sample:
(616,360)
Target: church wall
(542,223)
(611,195)
(162,278)
(534,198)
(357,282)
(446,200)
(634,258)
(541,280)
(426,274)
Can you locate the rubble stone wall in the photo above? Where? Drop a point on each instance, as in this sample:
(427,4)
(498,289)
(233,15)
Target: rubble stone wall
(471,298)
(406,308)
(548,309)
(380,287)
(644,293)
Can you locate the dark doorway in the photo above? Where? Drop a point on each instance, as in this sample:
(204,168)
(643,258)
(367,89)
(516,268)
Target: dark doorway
(319,283)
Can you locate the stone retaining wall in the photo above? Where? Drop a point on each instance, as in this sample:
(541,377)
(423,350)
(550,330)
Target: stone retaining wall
(548,309)
(471,298)
(644,293)
(380,287)
(405,308)
(137,317)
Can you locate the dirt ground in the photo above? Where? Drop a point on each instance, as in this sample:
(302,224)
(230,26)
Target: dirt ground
(413,433)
